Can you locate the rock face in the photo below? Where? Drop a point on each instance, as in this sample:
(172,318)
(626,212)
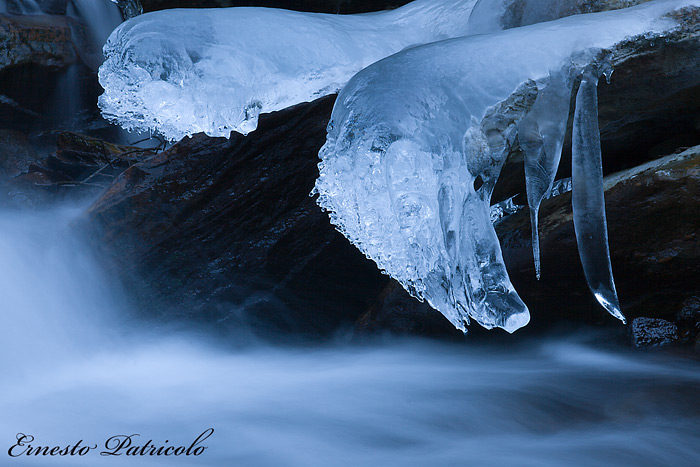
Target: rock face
(36,39)
(649,332)
(225,230)
(43,77)
(16,154)
(523,12)
(80,166)
(688,319)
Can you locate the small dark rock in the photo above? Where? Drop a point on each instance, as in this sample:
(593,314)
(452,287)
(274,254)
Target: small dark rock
(690,312)
(651,332)
(688,319)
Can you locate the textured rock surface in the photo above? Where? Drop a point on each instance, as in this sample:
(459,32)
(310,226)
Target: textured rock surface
(16,154)
(688,319)
(80,166)
(36,39)
(43,77)
(649,332)
(213,226)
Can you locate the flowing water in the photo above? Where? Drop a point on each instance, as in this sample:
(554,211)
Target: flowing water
(76,365)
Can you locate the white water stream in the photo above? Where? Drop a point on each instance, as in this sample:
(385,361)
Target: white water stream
(76,366)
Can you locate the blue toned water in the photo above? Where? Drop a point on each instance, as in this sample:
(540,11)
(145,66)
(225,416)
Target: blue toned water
(76,366)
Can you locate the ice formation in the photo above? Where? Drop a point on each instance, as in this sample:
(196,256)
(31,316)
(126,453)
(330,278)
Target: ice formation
(179,72)
(417,141)
(495,15)
(129,8)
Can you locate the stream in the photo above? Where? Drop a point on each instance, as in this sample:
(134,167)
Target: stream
(77,365)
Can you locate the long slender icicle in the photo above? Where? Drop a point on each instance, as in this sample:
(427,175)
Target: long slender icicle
(587,197)
(541,135)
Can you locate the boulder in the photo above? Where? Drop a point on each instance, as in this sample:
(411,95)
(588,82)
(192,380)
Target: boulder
(649,332)
(43,40)
(224,230)
(688,319)
(37,53)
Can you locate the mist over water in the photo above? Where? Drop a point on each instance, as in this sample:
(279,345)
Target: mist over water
(76,365)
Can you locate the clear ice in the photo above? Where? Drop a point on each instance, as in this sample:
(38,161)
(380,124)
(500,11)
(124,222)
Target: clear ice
(184,71)
(417,140)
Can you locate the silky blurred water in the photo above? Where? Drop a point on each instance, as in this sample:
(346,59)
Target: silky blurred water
(77,366)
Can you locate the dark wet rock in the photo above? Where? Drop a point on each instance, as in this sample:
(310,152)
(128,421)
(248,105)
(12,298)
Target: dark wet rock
(654,234)
(688,319)
(80,166)
(225,230)
(36,39)
(650,332)
(320,6)
(42,77)
(398,313)
(16,154)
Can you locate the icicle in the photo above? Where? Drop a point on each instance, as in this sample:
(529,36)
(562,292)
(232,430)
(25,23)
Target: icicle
(541,135)
(491,298)
(587,196)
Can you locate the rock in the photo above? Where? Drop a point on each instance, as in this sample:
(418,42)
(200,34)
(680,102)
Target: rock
(649,332)
(225,230)
(653,231)
(688,319)
(16,154)
(80,166)
(35,52)
(36,40)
